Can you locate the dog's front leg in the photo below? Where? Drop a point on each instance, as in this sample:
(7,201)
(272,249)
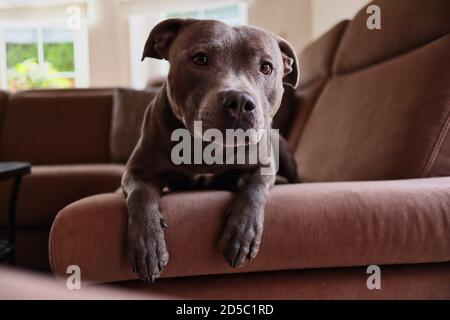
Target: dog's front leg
(147,250)
(242,235)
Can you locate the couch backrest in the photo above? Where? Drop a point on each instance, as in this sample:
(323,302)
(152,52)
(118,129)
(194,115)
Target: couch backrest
(57,126)
(316,62)
(381,108)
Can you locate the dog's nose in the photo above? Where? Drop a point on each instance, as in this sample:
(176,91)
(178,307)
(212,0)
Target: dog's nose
(238,102)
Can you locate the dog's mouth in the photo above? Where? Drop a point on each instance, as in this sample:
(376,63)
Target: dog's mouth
(228,136)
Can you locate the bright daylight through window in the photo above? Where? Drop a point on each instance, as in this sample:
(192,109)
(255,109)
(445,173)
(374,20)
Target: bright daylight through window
(39,58)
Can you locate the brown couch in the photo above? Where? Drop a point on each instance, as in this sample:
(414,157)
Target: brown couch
(81,154)
(370,128)
(65,135)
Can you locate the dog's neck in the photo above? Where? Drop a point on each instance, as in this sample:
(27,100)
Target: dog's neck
(168,119)
(161,121)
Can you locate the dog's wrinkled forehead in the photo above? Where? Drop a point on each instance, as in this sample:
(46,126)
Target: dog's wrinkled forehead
(239,47)
(215,36)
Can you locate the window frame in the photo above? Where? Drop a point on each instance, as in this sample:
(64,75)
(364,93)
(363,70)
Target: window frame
(80,41)
(242,8)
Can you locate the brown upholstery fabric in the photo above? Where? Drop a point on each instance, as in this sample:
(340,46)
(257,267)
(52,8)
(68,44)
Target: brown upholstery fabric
(385,222)
(48,189)
(3,102)
(128,114)
(5,194)
(316,60)
(429,281)
(383,122)
(307,97)
(58,127)
(43,193)
(440,166)
(404,27)
(315,68)
(32,248)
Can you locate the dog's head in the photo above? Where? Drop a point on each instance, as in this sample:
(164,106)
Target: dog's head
(227,77)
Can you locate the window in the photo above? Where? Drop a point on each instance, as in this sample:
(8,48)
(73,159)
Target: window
(233,14)
(38,58)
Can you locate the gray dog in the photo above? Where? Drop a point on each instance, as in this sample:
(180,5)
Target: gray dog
(228,78)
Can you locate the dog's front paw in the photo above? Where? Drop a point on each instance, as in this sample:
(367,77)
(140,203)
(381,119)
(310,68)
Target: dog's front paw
(147,250)
(242,235)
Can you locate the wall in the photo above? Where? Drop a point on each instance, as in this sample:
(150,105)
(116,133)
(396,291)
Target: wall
(326,13)
(140,26)
(289,19)
(108,44)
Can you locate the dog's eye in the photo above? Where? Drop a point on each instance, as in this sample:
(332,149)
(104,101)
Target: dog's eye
(200,59)
(266,68)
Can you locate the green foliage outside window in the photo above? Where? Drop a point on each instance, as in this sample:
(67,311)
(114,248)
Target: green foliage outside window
(60,55)
(25,73)
(19,52)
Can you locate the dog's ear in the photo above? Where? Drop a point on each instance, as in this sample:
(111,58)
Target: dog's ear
(290,62)
(161,38)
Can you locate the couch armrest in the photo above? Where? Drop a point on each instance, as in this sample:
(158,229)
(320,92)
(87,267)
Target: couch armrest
(306,226)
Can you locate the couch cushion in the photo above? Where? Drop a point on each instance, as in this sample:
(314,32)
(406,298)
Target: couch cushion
(306,226)
(48,189)
(417,281)
(315,61)
(389,121)
(306,97)
(404,27)
(57,126)
(128,113)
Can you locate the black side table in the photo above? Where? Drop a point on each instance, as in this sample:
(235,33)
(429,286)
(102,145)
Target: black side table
(14,171)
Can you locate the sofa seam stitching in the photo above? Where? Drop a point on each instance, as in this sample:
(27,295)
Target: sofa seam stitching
(338,48)
(436,147)
(329,69)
